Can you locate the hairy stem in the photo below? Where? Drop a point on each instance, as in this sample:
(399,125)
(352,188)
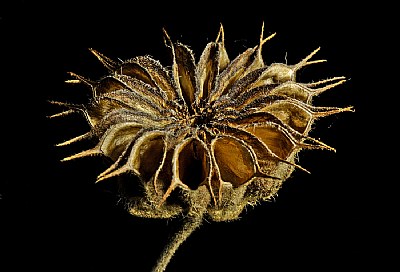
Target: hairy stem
(198,203)
(190,224)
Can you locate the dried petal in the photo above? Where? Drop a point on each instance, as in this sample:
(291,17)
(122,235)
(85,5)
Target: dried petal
(193,163)
(234,160)
(118,138)
(184,73)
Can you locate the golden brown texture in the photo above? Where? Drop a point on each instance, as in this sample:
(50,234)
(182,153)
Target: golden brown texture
(205,138)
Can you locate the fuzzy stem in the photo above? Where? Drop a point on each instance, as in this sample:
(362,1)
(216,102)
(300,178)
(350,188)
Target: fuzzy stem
(189,225)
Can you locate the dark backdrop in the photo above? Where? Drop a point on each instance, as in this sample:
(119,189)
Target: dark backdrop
(53,214)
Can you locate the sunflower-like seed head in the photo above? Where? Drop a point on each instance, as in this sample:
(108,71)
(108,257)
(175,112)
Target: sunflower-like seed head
(206,138)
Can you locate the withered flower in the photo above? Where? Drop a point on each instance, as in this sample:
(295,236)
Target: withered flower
(204,138)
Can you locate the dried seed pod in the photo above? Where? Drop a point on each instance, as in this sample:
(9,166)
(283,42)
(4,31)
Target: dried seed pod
(204,139)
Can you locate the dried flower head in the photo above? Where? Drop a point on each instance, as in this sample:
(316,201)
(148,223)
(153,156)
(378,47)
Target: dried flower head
(205,138)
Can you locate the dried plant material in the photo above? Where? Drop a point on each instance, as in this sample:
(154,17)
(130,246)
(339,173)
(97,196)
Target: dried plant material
(205,138)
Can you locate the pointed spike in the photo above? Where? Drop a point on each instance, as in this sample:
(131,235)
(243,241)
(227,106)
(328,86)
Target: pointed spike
(295,165)
(259,62)
(108,170)
(175,70)
(114,166)
(88,82)
(312,54)
(75,139)
(304,61)
(262,32)
(59,103)
(61,114)
(332,110)
(301,168)
(107,62)
(172,187)
(349,108)
(313,62)
(221,35)
(289,163)
(320,145)
(327,87)
(73,81)
(312,84)
(263,41)
(167,39)
(119,171)
(73,108)
(67,105)
(90,152)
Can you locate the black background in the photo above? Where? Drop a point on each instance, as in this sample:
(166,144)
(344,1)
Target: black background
(55,217)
